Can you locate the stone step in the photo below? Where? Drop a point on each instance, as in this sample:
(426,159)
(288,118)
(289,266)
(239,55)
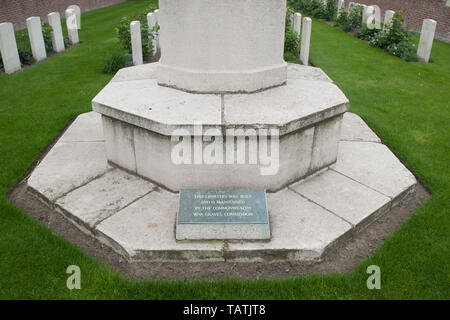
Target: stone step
(137,218)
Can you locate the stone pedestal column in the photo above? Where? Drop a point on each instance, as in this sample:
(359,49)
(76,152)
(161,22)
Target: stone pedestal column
(214,46)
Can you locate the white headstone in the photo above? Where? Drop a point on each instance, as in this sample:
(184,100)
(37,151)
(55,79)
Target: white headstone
(136,42)
(72,26)
(77,10)
(34,27)
(54,20)
(8,48)
(306,39)
(388,15)
(157,16)
(370,15)
(364,14)
(426,40)
(151,21)
(340,6)
(297,23)
(156,12)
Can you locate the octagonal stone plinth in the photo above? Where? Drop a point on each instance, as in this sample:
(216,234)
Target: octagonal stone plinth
(140,117)
(137,219)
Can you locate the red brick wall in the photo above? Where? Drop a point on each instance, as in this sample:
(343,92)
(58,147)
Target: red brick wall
(17,11)
(415,11)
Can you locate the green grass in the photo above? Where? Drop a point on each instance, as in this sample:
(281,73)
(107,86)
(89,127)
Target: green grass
(407,104)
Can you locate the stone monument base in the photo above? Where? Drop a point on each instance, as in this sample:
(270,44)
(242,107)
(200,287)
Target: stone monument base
(137,218)
(141,118)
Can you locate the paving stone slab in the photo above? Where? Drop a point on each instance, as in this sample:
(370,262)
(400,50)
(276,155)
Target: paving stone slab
(375,166)
(344,197)
(301,230)
(146,230)
(68,166)
(87,127)
(355,129)
(102,197)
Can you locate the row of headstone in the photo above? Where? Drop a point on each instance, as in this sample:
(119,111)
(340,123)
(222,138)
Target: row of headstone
(136,39)
(426,35)
(368,12)
(8,44)
(305,31)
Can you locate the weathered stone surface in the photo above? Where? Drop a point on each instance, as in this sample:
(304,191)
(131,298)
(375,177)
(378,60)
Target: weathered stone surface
(8,47)
(148,71)
(87,127)
(325,144)
(246,58)
(145,230)
(102,197)
(297,71)
(346,198)
(251,231)
(375,166)
(119,143)
(355,129)
(68,166)
(143,72)
(340,202)
(149,154)
(301,230)
(298,104)
(140,118)
(145,104)
(295,157)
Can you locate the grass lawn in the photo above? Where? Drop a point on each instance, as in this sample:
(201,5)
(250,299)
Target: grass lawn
(407,104)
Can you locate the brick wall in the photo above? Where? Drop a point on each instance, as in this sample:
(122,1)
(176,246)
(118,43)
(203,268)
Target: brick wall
(415,11)
(17,11)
